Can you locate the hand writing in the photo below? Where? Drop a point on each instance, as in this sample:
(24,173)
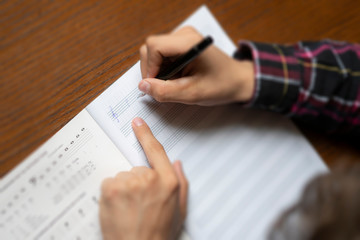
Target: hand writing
(212,78)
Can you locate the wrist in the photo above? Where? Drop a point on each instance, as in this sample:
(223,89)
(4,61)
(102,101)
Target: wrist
(245,76)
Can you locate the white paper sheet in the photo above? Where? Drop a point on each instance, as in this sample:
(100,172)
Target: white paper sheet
(53,194)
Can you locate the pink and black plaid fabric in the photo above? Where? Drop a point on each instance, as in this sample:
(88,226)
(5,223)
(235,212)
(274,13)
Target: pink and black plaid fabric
(318,82)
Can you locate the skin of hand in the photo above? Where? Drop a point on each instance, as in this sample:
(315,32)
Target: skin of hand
(145,203)
(213,78)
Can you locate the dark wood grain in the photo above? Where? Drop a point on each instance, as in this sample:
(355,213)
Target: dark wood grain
(57,56)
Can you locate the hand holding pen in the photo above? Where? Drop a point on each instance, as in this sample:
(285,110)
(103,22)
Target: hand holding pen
(211,78)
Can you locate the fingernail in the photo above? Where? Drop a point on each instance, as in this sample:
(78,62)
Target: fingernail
(144,86)
(138,121)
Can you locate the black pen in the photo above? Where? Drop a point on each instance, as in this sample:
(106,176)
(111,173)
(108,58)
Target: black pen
(182,61)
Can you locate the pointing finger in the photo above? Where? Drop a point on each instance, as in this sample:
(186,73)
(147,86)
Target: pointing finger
(154,151)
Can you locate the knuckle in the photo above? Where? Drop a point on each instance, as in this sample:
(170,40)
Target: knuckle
(172,184)
(150,42)
(189,28)
(161,93)
(160,98)
(150,176)
(108,189)
(155,146)
(143,50)
(137,168)
(134,185)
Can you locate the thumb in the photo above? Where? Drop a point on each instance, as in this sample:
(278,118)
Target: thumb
(184,186)
(176,90)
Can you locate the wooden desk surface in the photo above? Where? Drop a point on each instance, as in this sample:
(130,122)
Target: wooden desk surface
(57,56)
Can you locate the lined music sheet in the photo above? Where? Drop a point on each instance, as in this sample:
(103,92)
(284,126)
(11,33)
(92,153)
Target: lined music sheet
(244,167)
(53,194)
(120,103)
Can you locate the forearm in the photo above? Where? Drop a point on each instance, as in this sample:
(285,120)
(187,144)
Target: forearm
(313,81)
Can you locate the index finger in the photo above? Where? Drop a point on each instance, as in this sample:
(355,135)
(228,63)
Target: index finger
(162,46)
(168,45)
(154,151)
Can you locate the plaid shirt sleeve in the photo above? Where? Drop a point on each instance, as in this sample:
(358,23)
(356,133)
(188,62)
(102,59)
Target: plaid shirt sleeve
(318,82)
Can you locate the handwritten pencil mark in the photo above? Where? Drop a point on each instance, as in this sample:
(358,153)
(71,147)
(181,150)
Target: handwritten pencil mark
(114,115)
